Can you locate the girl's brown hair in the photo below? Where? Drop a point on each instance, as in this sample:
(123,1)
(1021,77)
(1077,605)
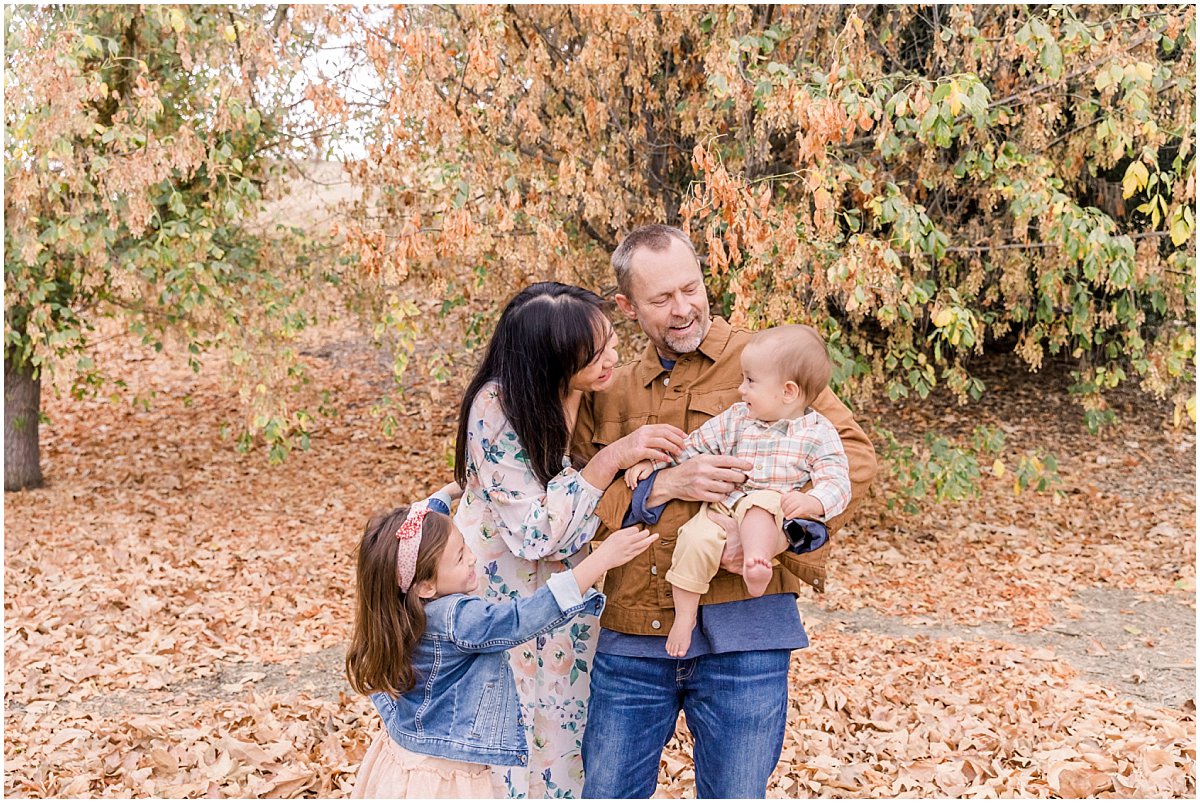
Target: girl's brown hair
(388,622)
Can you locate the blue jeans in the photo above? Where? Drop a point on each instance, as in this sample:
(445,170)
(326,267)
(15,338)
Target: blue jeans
(735,705)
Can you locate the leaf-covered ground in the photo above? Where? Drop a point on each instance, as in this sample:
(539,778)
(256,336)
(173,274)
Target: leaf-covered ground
(175,612)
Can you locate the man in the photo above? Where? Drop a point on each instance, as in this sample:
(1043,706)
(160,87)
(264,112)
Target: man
(732,682)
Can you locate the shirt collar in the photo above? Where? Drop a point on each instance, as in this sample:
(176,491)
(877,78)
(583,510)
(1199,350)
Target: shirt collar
(712,346)
(717,337)
(785,426)
(650,368)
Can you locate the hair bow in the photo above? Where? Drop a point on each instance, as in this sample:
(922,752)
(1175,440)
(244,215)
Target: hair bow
(409,536)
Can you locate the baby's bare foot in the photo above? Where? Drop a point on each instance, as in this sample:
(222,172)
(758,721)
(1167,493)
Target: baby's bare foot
(680,638)
(757,574)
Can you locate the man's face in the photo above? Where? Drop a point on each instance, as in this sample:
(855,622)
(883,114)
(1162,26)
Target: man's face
(667,299)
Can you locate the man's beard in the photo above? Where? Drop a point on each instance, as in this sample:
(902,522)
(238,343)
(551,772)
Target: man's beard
(686,344)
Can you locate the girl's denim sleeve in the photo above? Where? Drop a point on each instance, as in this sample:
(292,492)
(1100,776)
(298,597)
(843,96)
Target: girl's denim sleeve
(476,625)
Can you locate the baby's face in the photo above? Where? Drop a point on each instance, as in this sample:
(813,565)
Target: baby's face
(762,388)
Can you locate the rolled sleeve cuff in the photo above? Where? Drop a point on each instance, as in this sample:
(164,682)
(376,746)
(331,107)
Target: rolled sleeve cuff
(440,502)
(587,486)
(638,512)
(565,590)
(804,535)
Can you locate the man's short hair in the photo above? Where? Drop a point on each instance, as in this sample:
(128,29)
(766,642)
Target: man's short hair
(800,355)
(656,237)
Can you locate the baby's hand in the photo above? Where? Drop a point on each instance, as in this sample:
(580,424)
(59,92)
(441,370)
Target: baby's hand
(638,472)
(452,490)
(799,505)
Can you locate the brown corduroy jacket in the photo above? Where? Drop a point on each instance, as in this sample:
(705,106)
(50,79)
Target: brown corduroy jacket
(701,385)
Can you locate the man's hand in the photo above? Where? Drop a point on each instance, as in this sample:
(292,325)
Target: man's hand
(703,478)
(799,505)
(731,558)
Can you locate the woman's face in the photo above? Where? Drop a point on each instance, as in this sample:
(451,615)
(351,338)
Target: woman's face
(598,374)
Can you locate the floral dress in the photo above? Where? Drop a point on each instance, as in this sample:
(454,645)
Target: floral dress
(521,533)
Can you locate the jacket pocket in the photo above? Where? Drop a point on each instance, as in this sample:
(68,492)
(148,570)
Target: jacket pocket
(487,713)
(609,432)
(709,404)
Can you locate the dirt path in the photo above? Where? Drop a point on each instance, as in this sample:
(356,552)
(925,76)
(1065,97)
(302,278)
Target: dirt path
(1139,645)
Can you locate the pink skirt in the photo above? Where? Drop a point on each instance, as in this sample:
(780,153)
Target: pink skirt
(390,771)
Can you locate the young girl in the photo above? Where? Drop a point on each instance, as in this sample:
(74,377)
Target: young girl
(433,659)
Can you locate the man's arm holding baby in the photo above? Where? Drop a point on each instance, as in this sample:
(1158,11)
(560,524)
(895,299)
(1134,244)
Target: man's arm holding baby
(713,437)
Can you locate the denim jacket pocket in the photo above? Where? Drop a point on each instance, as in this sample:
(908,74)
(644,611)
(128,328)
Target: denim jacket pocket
(487,712)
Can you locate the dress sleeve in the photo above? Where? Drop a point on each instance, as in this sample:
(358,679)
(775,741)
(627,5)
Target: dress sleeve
(536,523)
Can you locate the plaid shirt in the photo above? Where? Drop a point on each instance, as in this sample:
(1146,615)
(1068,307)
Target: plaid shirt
(787,454)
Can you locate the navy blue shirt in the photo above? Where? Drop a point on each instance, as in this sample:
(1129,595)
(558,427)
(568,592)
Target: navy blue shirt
(771,622)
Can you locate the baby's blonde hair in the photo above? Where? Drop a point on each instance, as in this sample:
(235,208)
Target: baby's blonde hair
(800,356)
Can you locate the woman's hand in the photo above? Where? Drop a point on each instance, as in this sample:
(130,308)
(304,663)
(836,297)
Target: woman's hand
(654,442)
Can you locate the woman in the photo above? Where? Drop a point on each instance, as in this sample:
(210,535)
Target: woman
(526,509)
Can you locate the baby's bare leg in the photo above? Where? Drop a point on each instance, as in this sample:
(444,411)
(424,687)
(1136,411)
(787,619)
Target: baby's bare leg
(759,537)
(687,603)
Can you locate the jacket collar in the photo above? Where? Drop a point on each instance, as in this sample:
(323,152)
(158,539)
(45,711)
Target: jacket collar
(650,368)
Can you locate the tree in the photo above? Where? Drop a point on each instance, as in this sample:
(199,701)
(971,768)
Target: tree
(138,143)
(923,183)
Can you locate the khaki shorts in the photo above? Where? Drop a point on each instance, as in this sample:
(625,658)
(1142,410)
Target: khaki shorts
(701,541)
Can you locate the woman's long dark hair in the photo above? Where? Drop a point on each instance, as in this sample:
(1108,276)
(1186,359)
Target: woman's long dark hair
(546,334)
(388,622)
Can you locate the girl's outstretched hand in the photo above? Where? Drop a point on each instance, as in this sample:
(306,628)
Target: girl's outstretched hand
(616,550)
(623,545)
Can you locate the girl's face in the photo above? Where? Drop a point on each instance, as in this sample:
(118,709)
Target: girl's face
(455,569)
(598,374)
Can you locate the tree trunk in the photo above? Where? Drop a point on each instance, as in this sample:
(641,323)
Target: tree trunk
(22,406)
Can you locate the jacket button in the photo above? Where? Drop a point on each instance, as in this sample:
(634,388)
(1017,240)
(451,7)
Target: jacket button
(521,758)
(666,380)
(656,624)
(653,570)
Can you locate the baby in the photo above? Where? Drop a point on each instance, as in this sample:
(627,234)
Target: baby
(790,445)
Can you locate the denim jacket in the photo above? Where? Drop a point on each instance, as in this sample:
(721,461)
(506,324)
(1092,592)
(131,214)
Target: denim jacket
(464,705)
